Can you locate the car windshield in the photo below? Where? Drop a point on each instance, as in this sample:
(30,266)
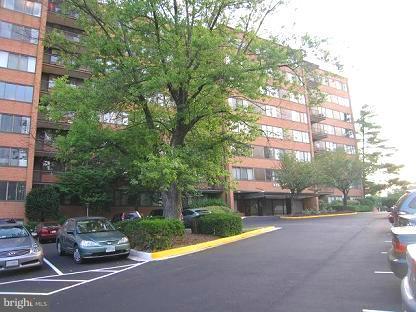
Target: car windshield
(92,226)
(13,232)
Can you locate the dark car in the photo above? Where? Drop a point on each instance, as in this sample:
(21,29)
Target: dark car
(191,214)
(408,285)
(130,215)
(91,237)
(404,212)
(18,249)
(47,231)
(401,238)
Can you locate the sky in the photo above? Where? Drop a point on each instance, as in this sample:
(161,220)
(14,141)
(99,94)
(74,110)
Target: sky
(376,43)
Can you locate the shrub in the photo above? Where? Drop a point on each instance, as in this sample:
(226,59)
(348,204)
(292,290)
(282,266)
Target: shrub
(219,209)
(219,224)
(31,225)
(151,234)
(361,208)
(42,204)
(207,202)
(307,212)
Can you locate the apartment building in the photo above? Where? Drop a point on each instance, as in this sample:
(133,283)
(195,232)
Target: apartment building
(290,125)
(28,70)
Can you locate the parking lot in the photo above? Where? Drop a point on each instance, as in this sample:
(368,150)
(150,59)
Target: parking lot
(60,273)
(331,264)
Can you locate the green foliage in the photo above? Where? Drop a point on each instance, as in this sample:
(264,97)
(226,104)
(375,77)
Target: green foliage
(171,68)
(376,155)
(31,226)
(391,199)
(92,185)
(340,170)
(42,204)
(151,234)
(219,224)
(205,202)
(295,175)
(219,209)
(358,206)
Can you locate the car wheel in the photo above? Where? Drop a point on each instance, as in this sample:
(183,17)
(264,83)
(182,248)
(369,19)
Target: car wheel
(77,255)
(59,248)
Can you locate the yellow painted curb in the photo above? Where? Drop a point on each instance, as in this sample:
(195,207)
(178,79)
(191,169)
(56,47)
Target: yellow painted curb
(170,253)
(322,216)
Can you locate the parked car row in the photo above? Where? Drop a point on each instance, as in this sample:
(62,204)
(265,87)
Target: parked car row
(402,255)
(83,238)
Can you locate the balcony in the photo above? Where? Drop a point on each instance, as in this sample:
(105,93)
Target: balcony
(45,123)
(52,64)
(318,134)
(316,116)
(44,149)
(45,176)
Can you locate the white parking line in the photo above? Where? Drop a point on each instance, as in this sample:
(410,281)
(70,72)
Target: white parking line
(77,281)
(94,279)
(383,252)
(366,310)
(52,266)
(388,241)
(383,272)
(56,280)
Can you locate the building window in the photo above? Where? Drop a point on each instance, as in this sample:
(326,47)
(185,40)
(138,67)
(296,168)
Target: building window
(243,174)
(303,156)
(273,153)
(17,61)
(13,157)
(300,136)
(14,92)
(18,32)
(23,6)
(272,132)
(237,102)
(271,174)
(12,190)
(14,123)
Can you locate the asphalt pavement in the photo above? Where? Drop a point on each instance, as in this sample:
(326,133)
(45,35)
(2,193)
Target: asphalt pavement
(328,264)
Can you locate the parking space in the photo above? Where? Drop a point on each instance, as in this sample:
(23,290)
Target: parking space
(59,273)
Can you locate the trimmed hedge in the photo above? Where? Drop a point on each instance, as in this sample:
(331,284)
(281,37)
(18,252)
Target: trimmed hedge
(219,224)
(151,234)
(207,202)
(219,209)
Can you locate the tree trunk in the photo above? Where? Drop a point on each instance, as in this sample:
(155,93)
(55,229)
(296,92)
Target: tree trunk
(344,200)
(172,202)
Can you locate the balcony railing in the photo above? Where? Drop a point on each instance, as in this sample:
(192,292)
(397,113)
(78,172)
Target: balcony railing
(69,35)
(52,59)
(318,134)
(45,176)
(316,116)
(44,148)
(57,8)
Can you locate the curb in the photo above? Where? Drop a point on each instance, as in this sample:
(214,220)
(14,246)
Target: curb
(322,216)
(181,251)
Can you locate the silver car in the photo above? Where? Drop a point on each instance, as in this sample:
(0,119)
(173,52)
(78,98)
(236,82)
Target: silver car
(18,248)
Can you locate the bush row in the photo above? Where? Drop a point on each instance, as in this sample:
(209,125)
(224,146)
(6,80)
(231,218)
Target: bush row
(151,234)
(206,202)
(218,224)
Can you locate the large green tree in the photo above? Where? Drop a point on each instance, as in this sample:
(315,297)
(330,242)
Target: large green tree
(379,171)
(171,65)
(295,175)
(339,170)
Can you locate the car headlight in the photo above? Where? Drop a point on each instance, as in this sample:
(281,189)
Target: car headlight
(86,243)
(35,248)
(124,240)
